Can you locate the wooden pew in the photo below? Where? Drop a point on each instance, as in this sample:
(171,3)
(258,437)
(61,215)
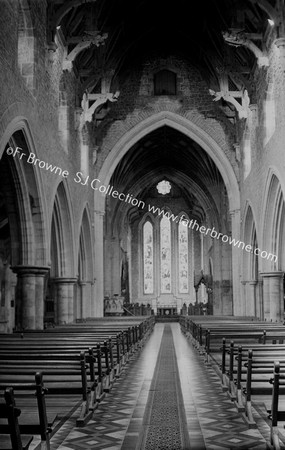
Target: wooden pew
(8,411)
(232,328)
(57,355)
(248,379)
(245,363)
(66,375)
(38,421)
(276,436)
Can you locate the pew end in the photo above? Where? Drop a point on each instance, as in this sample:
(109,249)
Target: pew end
(14,440)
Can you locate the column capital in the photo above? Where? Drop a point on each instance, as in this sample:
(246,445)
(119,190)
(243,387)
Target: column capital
(280,42)
(234,212)
(276,273)
(30,270)
(250,282)
(99,212)
(65,280)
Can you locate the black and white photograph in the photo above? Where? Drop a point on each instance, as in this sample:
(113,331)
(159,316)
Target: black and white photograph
(142,225)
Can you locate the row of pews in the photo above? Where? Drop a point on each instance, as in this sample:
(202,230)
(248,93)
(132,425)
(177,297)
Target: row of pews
(48,375)
(249,357)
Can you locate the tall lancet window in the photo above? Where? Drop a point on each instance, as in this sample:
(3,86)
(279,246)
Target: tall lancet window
(183,258)
(165,255)
(148,257)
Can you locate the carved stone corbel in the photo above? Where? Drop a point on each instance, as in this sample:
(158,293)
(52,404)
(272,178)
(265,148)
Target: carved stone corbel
(238,38)
(85,113)
(83,42)
(280,44)
(230,97)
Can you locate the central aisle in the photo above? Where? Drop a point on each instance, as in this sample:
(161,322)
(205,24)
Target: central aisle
(167,399)
(164,424)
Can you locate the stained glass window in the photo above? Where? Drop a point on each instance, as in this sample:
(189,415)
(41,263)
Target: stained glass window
(148,257)
(183,258)
(165,255)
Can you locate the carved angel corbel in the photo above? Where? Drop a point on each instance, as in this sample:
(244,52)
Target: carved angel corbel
(238,38)
(242,108)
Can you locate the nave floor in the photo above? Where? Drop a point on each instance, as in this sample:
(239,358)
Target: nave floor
(169,399)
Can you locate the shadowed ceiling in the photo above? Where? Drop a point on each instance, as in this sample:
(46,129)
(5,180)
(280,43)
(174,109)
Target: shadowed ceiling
(140,28)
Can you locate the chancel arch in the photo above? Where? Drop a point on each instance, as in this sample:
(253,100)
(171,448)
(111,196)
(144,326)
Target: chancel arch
(168,176)
(187,130)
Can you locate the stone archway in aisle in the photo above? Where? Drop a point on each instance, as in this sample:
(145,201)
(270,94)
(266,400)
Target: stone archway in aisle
(62,280)
(250,277)
(24,252)
(85,301)
(273,243)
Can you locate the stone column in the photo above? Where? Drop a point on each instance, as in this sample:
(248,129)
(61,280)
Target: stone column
(116,273)
(99,264)
(64,300)
(251,307)
(92,299)
(85,296)
(237,301)
(242,308)
(273,296)
(31,295)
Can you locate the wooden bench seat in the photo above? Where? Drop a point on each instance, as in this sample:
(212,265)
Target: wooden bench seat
(245,364)
(277,414)
(74,382)
(37,423)
(78,366)
(10,413)
(247,378)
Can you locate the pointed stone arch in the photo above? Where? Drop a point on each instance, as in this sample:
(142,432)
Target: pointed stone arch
(186,127)
(85,298)
(27,226)
(250,277)
(273,234)
(273,222)
(197,134)
(62,278)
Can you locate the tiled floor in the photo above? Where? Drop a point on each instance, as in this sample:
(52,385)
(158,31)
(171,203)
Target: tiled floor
(119,423)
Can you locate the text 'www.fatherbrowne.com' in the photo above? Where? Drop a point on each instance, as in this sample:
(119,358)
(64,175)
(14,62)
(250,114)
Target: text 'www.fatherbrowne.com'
(194,225)
(109,190)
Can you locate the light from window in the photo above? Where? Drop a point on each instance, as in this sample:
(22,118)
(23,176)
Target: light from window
(183,258)
(148,257)
(164,187)
(165,255)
